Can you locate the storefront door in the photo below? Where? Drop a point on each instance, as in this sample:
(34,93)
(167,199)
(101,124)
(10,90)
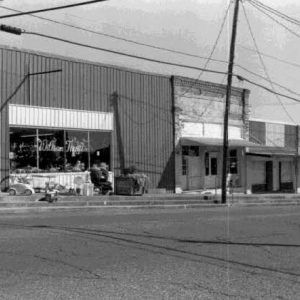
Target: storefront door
(269,175)
(194,172)
(211,170)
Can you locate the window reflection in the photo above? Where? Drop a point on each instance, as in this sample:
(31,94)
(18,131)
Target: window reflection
(51,150)
(23,155)
(77,148)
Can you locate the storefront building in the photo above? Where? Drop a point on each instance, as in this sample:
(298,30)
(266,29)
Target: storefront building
(199,114)
(57,143)
(272,165)
(60,116)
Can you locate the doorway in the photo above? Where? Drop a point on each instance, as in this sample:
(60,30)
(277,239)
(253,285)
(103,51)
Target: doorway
(194,172)
(211,170)
(269,176)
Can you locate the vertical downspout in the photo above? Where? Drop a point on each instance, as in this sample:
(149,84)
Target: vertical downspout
(173,130)
(114,102)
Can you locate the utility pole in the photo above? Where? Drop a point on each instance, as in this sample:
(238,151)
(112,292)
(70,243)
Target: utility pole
(227,101)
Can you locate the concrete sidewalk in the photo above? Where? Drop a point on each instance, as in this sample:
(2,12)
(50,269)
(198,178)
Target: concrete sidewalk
(187,200)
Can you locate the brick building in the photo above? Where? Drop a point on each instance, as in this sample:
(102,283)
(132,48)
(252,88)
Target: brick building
(199,116)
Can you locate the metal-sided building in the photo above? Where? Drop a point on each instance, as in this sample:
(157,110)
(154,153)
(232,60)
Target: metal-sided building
(61,115)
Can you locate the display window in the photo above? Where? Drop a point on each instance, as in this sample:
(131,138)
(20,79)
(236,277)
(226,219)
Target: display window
(51,150)
(77,149)
(56,150)
(23,149)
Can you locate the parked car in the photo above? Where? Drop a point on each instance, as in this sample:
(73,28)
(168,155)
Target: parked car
(20,189)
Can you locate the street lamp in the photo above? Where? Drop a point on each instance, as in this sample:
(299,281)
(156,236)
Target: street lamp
(19,31)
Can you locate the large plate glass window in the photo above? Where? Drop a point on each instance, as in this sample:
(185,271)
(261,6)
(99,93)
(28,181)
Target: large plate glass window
(51,150)
(23,154)
(57,150)
(77,148)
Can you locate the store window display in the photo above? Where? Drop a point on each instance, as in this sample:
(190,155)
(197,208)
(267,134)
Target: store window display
(34,150)
(77,148)
(23,149)
(51,150)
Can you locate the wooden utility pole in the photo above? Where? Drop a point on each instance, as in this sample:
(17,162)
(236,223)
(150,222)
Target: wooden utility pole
(227,103)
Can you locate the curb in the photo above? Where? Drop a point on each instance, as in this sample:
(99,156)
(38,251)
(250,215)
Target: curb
(86,207)
(108,207)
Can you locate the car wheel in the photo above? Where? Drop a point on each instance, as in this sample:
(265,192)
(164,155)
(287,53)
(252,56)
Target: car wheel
(12,192)
(28,192)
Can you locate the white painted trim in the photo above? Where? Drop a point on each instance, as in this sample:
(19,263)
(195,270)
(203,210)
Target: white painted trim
(38,116)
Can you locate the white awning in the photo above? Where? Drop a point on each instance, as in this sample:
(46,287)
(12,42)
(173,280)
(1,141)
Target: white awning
(38,116)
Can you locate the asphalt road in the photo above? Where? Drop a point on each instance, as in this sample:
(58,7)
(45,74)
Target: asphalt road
(216,253)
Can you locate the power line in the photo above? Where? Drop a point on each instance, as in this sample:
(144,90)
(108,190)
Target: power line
(263,64)
(212,50)
(266,79)
(276,21)
(122,53)
(271,56)
(158,47)
(276,12)
(117,37)
(239,77)
(266,88)
(50,9)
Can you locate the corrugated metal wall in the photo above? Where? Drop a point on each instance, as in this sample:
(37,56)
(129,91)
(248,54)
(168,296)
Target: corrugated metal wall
(144,103)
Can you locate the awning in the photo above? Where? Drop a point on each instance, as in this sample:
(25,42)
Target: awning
(267,150)
(204,141)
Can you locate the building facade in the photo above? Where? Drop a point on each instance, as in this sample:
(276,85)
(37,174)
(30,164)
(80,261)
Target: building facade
(60,116)
(199,117)
(272,165)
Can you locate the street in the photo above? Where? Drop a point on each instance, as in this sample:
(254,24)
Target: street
(208,253)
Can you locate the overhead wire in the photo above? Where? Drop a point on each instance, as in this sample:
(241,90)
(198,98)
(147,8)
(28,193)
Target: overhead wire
(157,47)
(263,64)
(267,89)
(116,37)
(276,12)
(50,9)
(212,50)
(123,53)
(276,21)
(158,61)
(271,56)
(270,81)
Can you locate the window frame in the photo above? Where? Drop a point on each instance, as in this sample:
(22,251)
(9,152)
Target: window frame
(65,130)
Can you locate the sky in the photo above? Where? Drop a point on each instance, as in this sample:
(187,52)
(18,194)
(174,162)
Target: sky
(189,26)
